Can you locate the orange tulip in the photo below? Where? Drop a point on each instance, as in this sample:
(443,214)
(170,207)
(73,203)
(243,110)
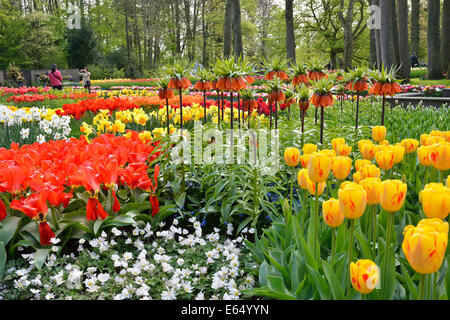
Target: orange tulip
(435,199)
(392,195)
(319,166)
(385,159)
(378,133)
(341,167)
(372,187)
(352,200)
(292,156)
(410,145)
(331,213)
(424,246)
(364,275)
(343,150)
(440,156)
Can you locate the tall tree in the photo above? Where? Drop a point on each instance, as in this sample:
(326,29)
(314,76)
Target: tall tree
(415,26)
(386,34)
(290,35)
(445,51)
(347,21)
(237,29)
(403,44)
(395,31)
(373,38)
(434,40)
(227,30)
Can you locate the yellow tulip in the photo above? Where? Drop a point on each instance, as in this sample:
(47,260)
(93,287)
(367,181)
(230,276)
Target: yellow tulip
(447,136)
(302,177)
(304,160)
(359,163)
(435,199)
(372,187)
(448,181)
(343,150)
(392,195)
(337,141)
(331,213)
(436,133)
(341,167)
(352,200)
(423,153)
(292,156)
(383,143)
(311,186)
(330,152)
(357,177)
(363,142)
(378,133)
(309,148)
(399,152)
(427,140)
(410,145)
(364,275)
(370,171)
(368,151)
(424,246)
(385,159)
(319,166)
(440,156)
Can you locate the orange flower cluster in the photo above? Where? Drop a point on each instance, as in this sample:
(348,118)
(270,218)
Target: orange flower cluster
(280,74)
(302,78)
(79,109)
(388,89)
(231,84)
(322,100)
(178,84)
(316,75)
(203,86)
(358,86)
(45,174)
(165,94)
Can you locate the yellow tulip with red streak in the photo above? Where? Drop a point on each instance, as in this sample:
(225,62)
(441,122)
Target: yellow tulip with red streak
(385,159)
(352,200)
(424,246)
(292,156)
(423,153)
(378,133)
(364,275)
(440,156)
(341,167)
(410,145)
(319,166)
(331,213)
(392,195)
(435,200)
(373,188)
(309,148)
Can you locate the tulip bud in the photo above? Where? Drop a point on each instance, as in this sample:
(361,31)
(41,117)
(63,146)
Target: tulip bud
(357,177)
(352,200)
(319,166)
(304,160)
(372,187)
(424,246)
(370,171)
(435,199)
(337,141)
(361,163)
(302,177)
(423,153)
(292,156)
(392,195)
(331,213)
(343,150)
(368,151)
(410,145)
(341,167)
(364,275)
(309,148)
(385,159)
(378,133)
(440,156)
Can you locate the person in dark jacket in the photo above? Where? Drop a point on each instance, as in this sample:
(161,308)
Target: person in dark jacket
(414,60)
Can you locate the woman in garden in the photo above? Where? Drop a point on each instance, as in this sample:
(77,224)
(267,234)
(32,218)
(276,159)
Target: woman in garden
(55,78)
(86,78)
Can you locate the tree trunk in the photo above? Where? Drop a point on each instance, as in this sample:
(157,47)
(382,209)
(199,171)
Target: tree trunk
(204,34)
(227,30)
(177,27)
(237,32)
(445,51)
(415,26)
(395,30)
(433,40)
(127,35)
(374,46)
(387,34)
(403,44)
(138,40)
(348,36)
(290,35)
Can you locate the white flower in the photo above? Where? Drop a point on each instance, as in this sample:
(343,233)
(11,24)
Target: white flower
(103,277)
(200,296)
(24,133)
(116,231)
(180,261)
(41,139)
(168,294)
(127,255)
(49,296)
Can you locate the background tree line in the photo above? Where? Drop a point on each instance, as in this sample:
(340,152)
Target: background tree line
(132,38)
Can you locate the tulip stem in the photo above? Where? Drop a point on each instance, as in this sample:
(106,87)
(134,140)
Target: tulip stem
(167,115)
(422,286)
(55,222)
(350,256)
(387,248)
(292,188)
(374,231)
(316,218)
(434,289)
(333,245)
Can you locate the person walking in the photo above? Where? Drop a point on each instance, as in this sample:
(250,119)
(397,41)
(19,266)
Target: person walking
(55,78)
(414,60)
(86,78)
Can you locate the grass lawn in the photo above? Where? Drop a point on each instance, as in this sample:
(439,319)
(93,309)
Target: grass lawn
(445,82)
